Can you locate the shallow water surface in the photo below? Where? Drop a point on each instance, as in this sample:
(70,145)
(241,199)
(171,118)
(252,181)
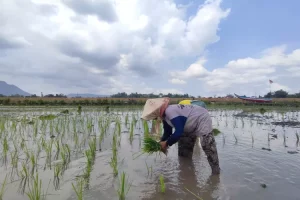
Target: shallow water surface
(252,151)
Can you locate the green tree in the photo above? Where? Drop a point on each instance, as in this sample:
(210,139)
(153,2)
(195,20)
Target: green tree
(280,94)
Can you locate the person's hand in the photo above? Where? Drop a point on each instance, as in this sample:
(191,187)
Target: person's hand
(164,147)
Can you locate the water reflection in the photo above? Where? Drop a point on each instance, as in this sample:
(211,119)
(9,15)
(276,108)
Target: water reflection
(190,176)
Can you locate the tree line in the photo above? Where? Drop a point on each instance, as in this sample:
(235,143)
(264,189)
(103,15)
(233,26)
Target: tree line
(281,94)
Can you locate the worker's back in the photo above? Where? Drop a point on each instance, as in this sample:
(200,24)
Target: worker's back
(198,119)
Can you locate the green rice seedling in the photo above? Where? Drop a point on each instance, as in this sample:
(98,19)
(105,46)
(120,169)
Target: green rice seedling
(43,143)
(124,186)
(82,122)
(39,150)
(102,134)
(66,156)
(35,190)
(88,168)
(47,117)
(57,128)
(79,109)
(119,142)
(131,131)
(14,163)
(5,149)
(114,165)
(65,111)
(79,188)
(44,128)
(126,120)
(89,126)
(119,127)
(24,178)
(199,198)
(14,127)
(66,125)
(262,111)
(33,163)
(149,169)
(3,188)
(74,125)
(57,145)
(216,132)
(51,128)
(146,128)
(57,175)
(114,158)
(162,184)
(48,150)
(35,131)
(76,139)
(64,159)
(2,127)
(68,151)
(93,147)
(134,120)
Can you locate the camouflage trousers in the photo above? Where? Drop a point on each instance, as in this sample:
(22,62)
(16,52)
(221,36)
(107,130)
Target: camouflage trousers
(186,147)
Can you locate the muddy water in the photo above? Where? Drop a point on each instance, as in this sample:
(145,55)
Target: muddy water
(252,152)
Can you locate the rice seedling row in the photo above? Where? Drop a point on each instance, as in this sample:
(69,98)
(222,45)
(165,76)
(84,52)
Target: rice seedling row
(51,142)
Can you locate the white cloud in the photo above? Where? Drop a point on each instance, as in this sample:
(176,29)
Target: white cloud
(253,73)
(73,46)
(177,81)
(201,29)
(195,70)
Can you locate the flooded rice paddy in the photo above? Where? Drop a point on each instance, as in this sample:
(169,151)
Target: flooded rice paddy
(54,153)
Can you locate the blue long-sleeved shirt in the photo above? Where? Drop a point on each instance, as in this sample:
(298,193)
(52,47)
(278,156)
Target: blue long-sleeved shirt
(185,119)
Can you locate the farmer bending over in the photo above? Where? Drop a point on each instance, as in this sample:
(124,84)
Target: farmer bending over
(189,122)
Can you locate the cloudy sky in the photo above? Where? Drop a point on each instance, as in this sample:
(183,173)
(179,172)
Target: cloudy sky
(199,47)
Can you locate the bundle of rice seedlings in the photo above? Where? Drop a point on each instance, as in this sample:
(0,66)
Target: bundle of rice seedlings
(151,146)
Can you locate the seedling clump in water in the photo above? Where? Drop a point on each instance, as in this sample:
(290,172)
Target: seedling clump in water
(216,131)
(151,146)
(124,187)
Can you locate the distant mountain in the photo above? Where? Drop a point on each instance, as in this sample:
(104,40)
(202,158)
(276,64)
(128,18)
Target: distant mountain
(87,95)
(8,90)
